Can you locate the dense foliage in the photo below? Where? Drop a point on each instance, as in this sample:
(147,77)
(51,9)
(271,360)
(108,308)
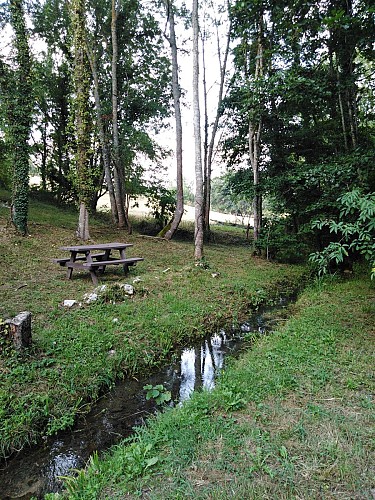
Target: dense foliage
(315,103)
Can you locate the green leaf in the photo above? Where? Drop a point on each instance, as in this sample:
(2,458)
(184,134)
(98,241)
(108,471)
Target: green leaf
(151,461)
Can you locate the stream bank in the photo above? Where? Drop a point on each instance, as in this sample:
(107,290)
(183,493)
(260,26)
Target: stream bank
(37,471)
(291,418)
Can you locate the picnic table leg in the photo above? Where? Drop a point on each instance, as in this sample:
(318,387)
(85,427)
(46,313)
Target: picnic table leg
(69,272)
(123,256)
(94,277)
(91,269)
(106,257)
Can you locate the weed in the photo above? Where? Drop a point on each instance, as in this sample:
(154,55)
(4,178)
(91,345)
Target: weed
(158,393)
(259,462)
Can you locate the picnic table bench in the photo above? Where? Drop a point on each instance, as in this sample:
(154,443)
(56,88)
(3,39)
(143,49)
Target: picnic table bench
(94,262)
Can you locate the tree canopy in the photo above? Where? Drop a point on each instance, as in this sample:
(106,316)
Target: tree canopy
(295,113)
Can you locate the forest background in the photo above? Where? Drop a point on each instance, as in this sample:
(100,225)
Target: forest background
(283,103)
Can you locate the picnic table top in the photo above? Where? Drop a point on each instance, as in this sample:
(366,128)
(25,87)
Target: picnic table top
(99,246)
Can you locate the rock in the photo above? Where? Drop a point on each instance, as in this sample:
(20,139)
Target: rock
(69,303)
(20,330)
(112,293)
(90,297)
(93,296)
(128,289)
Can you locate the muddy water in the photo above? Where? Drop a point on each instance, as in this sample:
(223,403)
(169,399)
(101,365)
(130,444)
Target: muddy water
(36,471)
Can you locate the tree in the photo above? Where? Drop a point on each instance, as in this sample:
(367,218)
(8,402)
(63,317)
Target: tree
(255,130)
(209,143)
(247,94)
(54,90)
(82,116)
(123,219)
(20,116)
(179,211)
(102,136)
(5,118)
(198,233)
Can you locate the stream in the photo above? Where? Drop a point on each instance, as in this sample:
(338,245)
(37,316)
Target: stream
(35,471)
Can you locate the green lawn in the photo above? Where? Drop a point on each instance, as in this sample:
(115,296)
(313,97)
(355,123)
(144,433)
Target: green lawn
(78,352)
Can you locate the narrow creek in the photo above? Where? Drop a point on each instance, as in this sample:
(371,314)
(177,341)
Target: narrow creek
(36,471)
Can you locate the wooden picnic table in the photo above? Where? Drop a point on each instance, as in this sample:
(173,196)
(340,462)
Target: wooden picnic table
(95,258)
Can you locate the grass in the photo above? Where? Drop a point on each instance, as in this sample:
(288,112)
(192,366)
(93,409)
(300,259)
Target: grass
(292,418)
(78,352)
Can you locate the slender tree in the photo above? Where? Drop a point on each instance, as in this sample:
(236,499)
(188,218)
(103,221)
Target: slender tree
(255,130)
(82,116)
(179,211)
(102,137)
(209,142)
(20,113)
(198,232)
(123,220)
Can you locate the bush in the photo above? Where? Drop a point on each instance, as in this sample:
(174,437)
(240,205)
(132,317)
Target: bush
(278,241)
(355,228)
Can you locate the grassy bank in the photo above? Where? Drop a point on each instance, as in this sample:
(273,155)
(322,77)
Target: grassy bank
(293,418)
(77,352)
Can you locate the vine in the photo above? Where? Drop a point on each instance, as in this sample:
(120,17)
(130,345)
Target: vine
(81,78)
(21,105)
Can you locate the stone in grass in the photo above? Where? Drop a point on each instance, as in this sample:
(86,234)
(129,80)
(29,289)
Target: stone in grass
(128,289)
(109,293)
(69,303)
(20,330)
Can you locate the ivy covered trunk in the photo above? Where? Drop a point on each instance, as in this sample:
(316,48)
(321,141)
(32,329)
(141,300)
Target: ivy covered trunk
(82,117)
(21,115)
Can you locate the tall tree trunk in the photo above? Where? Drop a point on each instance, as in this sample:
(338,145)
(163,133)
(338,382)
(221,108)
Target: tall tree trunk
(342,114)
(83,223)
(43,166)
(118,170)
(211,145)
(198,233)
(342,44)
(82,117)
(255,129)
(21,112)
(206,173)
(177,109)
(102,138)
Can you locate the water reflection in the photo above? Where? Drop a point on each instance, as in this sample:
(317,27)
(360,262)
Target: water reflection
(187,383)
(61,463)
(208,360)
